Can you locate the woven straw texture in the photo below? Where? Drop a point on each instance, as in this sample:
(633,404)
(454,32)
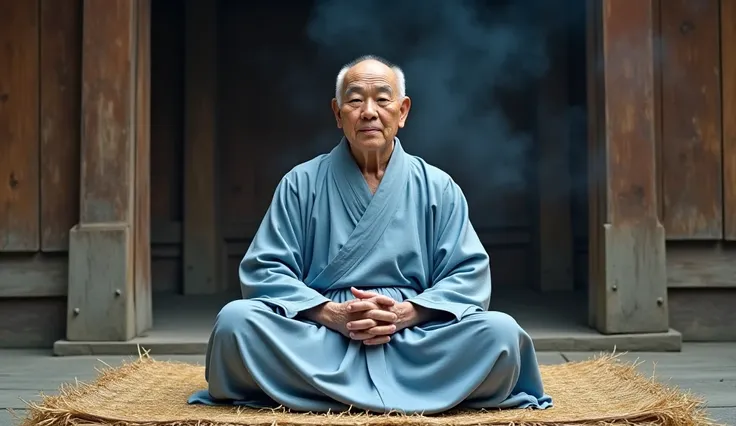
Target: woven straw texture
(145,392)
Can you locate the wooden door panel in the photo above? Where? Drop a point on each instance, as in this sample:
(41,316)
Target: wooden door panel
(691,130)
(19,125)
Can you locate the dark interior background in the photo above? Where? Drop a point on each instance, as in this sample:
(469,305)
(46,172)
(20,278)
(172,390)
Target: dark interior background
(473,70)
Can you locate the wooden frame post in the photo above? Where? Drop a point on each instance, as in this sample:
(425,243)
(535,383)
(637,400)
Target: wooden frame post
(728,111)
(109,250)
(628,286)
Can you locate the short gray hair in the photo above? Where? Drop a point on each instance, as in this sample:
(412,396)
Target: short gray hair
(400,79)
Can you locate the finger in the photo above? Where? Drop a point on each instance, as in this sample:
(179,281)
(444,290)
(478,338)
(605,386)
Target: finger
(381,315)
(369,295)
(362,294)
(363,324)
(361,306)
(382,330)
(361,335)
(379,298)
(384,300)
(377,341)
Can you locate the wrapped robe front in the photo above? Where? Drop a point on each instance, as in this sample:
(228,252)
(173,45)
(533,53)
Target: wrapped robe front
(412,240)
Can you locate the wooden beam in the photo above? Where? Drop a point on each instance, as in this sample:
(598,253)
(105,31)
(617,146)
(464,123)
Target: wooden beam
(554,242)
(204,257)
(705,315)
(700,264)
(628,270)
(19,137)
(142,243)
(728,114)
(61,45)
(107,255)
(30,276)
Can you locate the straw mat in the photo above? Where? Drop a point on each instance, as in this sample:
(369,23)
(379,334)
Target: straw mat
(145,392)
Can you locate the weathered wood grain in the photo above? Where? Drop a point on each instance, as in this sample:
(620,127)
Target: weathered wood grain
(61,44)
(691,120)
(19,136)
(204,259)
(728,114)
(693,264)
(704,314)
(628,275)
(109,259)
(629,104)
(36,275)
(108,136)
(142,223)
(635,274)
(101,304)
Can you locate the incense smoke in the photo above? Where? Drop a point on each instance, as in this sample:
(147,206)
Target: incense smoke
(465,62)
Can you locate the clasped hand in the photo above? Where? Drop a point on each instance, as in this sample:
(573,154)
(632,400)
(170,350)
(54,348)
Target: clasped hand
(371,317)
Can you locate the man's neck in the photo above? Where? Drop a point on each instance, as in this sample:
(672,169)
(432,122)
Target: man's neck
(373,164)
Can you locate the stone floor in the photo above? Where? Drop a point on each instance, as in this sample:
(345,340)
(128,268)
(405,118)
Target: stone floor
(705,369)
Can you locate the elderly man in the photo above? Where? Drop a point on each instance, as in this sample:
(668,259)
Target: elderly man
(366,285)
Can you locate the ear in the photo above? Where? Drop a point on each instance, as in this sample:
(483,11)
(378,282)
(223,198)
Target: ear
(404,111)
(336,112)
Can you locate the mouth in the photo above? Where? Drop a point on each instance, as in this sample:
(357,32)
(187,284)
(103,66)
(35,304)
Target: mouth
(369,130)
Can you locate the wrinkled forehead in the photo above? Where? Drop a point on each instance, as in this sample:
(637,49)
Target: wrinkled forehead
(370,76)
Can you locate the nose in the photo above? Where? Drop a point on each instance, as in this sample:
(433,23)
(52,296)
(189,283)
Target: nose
(368,111)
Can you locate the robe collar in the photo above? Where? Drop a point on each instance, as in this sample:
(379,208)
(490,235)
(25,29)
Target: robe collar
(371,214)
(352,184)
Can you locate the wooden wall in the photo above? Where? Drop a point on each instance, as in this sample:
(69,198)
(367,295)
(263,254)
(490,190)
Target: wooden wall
(697,165)
(39,164)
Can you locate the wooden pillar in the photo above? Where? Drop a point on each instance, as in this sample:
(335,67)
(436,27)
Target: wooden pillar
(554,242)
(628,291)
(203,246)
(728,111)
(109,253)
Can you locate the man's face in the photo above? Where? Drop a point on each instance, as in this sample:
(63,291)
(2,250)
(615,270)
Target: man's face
(372,112)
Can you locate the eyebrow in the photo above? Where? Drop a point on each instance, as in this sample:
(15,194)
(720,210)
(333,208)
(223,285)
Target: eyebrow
(359,89)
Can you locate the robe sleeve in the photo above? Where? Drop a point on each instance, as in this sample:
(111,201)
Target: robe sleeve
(272,269)
(461,275)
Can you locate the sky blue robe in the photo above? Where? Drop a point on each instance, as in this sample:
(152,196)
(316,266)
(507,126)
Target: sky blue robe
(325,232)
